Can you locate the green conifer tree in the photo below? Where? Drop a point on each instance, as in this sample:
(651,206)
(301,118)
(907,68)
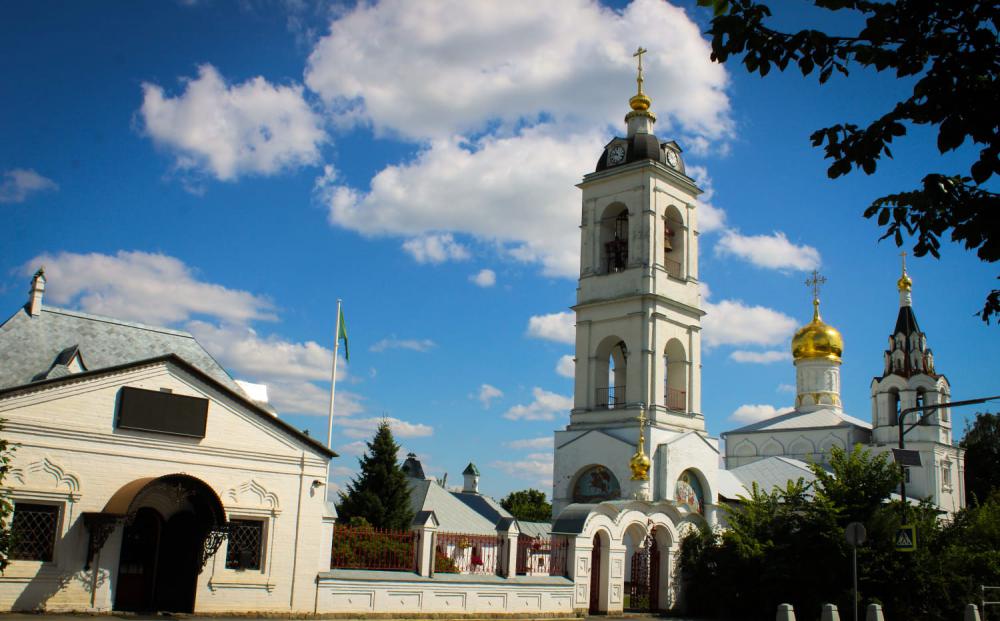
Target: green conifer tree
(379,494)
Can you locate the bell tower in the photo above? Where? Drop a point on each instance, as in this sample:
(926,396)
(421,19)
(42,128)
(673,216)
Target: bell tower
(638,332)
(638,308)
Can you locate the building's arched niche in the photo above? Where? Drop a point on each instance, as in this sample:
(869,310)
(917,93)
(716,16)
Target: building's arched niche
(772,448)
(614,238)
(802,448)
(746,448)
(594,484)
(635,536)
(826,446)
(894,405)
(612,361)
(689,491)
(600,562)
(673,242)
(675,377)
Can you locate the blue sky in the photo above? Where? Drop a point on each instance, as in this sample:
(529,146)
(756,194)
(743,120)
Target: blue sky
(233,168)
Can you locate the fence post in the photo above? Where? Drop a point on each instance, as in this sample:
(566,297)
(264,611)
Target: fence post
(971,612)
(507,532)
(425,523)
(326,542)
(786,612)
(874,613)
(830,613)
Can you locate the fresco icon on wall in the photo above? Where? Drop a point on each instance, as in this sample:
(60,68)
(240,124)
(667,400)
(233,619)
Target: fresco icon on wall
(595,484)
(688,492)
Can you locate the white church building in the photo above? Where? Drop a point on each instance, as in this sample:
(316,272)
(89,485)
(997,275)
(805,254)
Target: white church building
(146,478)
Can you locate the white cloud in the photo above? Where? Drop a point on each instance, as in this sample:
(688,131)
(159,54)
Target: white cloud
(536,467)
(750,413)
(770,251)
(566,367)
(710,217)
(558,327)
(229,130)
(19,183)
(546,406)
(430,70)
(488,393)
(509,104)
(759,357)
(786,388)
(484,278)
(490,189)
(392,342)
(365,427)
(436,248)
(356,448)
(142,286)
(731,322)
(544,442)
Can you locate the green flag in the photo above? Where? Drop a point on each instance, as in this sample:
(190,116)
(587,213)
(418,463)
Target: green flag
(342,334)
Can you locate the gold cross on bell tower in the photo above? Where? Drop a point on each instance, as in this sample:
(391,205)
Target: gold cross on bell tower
(638,54)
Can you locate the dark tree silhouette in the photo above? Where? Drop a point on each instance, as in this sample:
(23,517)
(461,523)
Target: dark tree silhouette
(951,49)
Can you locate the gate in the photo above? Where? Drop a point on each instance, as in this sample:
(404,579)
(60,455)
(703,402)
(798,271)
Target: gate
(644,589)
(595,577)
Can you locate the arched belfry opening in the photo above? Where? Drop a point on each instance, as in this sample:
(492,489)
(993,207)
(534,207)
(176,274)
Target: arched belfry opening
(673,242)
(172,526)
(675,378)
(614,238)
(612,371)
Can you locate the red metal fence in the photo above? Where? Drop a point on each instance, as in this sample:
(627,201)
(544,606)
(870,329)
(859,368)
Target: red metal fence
(364,547)
(459,553)
(537,556)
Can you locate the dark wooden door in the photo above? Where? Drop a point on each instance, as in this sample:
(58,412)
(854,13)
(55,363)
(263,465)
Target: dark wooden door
(179,559)
(595,576)
(137,562)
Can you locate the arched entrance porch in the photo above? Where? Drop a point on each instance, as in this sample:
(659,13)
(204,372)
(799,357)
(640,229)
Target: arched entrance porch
(172,525)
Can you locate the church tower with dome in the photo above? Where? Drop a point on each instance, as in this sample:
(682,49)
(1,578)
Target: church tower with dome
(638,331)
(910,379)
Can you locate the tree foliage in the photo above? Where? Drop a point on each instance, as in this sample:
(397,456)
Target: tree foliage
(950,50)
(982,456)
(6,506)
(788,545)
(529,505)
(379,494)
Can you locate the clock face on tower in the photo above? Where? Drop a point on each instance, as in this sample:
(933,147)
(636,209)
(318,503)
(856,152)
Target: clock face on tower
(616,155)
(672,159)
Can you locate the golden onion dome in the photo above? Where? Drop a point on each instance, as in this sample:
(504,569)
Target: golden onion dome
(817,340)
(905,283)
(640,102)
(639,465)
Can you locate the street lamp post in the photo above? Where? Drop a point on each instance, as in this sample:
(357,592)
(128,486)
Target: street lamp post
(927,411)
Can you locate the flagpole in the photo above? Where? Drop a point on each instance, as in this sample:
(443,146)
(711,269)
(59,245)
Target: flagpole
(333,378)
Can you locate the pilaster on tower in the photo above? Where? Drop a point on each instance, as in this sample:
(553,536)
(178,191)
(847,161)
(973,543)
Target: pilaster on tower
(638,310)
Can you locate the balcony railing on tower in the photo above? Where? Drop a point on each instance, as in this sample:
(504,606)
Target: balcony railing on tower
(676,400)
(611,397)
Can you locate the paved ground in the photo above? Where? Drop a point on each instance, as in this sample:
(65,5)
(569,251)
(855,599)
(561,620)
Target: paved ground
(130,617)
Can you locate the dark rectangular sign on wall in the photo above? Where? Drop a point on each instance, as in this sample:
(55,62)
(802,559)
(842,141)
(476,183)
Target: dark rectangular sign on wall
(162,412)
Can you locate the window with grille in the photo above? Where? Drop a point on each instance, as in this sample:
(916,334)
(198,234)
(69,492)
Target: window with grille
(33,531)
(246,544)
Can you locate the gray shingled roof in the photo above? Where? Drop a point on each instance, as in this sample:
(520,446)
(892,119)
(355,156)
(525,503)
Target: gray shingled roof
(453,515)
(816,419)
(31,347)
(767,473)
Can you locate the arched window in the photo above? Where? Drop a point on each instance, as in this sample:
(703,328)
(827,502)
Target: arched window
(675,376)
(673,242)
(612,360)
(614,238)
(921,401)
(893,407)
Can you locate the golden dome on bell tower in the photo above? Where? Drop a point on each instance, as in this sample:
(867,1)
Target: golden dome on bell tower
(817,339)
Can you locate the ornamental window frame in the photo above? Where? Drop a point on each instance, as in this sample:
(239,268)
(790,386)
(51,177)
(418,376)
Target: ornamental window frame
(54,536)
(946,476)
(262,522)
